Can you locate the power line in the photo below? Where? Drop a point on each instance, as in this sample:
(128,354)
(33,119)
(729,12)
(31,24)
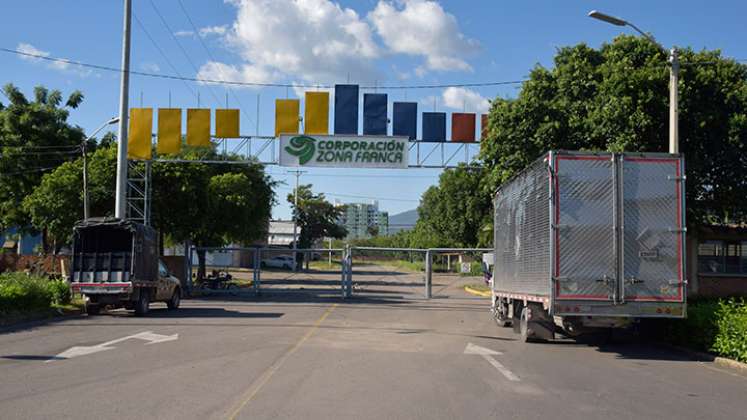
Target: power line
(210,55)
(160,51)
(179,44)
(237,83)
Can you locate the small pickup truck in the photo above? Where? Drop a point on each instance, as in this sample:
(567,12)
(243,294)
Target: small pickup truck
(115,263)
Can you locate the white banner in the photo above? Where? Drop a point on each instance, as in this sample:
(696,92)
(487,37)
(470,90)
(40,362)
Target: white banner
(344,151)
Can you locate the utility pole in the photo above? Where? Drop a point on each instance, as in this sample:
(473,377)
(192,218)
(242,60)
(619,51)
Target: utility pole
(295,219)
(674,100)
(120,202)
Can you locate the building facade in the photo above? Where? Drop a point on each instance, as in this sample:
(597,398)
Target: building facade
(363,220)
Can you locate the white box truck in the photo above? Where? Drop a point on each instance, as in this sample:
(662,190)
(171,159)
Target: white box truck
(586,240)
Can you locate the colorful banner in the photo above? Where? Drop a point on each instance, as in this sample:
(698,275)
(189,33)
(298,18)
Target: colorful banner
(227,123)
(286,116)
(169,131)
(316,113)
(198,127)
(139,139)
(405,115)
(434,126)
(462,127)
(374,114)
(344,151)
(346,109)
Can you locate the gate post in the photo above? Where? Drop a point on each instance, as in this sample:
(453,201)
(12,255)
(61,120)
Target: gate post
(344,271)
(428,273)
(349,284)
(255,265)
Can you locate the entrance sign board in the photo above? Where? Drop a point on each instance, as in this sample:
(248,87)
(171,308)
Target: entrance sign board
(343,151)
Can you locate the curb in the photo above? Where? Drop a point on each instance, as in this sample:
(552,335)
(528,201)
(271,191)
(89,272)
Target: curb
(476,292)
(707,357)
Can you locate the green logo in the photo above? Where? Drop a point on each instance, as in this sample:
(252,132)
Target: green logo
(303,147)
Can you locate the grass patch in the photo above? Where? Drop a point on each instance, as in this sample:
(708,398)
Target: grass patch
(25,298)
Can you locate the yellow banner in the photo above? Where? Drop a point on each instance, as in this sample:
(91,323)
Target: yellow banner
(286,116)
(316,114)
(169,131)
(141,129)
(198,127)
(226,123)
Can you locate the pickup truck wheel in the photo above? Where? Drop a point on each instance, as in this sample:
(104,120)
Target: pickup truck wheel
(143,303)
(93,309)
(176,298)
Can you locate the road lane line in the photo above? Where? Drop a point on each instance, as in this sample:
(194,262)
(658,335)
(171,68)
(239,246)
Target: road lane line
(258,384)
(502,369)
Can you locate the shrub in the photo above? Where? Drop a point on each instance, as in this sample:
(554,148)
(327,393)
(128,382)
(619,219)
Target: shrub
(22,293)
(731,322)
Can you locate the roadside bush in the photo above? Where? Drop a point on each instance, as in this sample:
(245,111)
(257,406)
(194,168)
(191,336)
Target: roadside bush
(22,293)
(731,322)
(717,326)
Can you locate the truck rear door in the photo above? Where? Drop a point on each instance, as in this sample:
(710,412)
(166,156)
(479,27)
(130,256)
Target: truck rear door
(653,226)
(583,221)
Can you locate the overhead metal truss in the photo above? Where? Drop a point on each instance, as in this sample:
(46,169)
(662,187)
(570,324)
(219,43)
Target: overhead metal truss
(139,191)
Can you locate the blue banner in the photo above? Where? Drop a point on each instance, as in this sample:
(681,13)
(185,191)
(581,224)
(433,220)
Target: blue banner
(434,126)
(405,115)
(374,114)
(346,109)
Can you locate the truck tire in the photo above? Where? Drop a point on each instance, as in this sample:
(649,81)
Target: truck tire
(524,327)
(93,309)
(143,303)
(176,298)
(500,314)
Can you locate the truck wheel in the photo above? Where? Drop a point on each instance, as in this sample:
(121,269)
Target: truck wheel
(500,314)
(524,326)
(93,309)
(176,298)
(143,303)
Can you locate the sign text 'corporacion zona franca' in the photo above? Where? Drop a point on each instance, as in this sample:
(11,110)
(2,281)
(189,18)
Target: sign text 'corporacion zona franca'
(344,151)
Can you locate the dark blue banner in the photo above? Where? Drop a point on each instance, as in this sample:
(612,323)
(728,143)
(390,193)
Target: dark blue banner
(434,126)
(374,114)
(405,115)
(346,109)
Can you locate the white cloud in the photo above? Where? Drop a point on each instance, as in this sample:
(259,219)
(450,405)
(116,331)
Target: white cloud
(245,73)
(55,65)
(184,33)
(467,99)
(423,28)
(213,30)
(150,67)
(313,40)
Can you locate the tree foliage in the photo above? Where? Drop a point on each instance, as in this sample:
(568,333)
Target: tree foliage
(616,99)
(35,137)
(317,217)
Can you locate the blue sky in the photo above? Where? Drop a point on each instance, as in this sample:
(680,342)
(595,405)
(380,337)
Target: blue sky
(397,43)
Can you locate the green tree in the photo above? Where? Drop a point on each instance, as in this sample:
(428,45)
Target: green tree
(35,138)
(317,217)
(616,99)
(452,213)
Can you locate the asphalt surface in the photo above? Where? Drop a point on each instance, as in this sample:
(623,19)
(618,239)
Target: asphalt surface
(299,351)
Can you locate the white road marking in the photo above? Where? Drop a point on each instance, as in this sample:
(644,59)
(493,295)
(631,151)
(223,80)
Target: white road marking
(76,351)
(488,354)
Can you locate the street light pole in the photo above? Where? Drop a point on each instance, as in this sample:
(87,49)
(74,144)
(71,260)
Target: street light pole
(674,76)
(120,197)
(84,146)
(295,220)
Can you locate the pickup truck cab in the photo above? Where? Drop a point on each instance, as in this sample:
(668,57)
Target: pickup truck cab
(115,263)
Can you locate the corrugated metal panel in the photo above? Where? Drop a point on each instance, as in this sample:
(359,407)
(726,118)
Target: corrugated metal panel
(169,130)
(463,127)
(346,109)
(374,114)
(405,115)
(522,233)
(434,126)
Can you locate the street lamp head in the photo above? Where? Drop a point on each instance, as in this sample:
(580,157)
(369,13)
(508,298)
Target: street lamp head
(114,120)
(607,18)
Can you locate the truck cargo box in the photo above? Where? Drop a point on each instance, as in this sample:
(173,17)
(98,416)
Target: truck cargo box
(596,234)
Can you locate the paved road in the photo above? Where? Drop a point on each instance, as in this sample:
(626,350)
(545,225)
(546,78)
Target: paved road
(385,354)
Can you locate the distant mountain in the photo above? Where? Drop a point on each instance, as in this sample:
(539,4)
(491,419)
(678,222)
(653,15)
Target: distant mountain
(403,221)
